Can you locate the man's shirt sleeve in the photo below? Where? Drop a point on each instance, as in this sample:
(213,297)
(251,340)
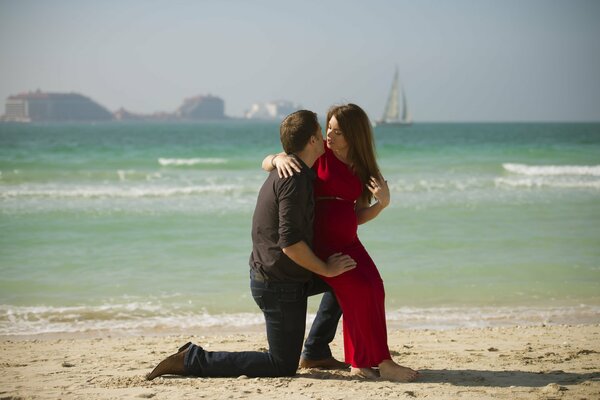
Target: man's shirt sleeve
(292,207)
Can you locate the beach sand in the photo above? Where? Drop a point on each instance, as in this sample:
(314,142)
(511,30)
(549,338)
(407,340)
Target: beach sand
(541,362)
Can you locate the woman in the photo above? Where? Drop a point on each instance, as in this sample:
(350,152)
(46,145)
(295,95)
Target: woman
(348,179)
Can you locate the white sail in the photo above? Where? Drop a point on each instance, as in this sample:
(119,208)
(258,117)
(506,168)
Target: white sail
(391,114)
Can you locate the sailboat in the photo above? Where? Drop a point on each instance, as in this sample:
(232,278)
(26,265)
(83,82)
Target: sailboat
(391,114)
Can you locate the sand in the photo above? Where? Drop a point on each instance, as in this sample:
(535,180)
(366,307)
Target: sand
(541,362)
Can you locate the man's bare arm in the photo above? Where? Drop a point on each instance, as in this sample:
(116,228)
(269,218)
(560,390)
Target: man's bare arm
(302,255)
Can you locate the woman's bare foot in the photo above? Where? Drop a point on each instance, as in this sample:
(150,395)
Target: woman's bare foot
(172,365)
(391,371)
(366,373)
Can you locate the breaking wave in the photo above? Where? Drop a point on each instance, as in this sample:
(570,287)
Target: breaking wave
(541,182)
(136,317)
(190,161)
(112,191)
(552,170)
(550,176)
(129,317)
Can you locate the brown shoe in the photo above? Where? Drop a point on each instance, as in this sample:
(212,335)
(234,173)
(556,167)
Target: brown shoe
(184,347)
(325,363)
(172,365)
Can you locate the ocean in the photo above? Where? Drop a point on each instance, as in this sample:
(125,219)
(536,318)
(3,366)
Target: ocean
(138,228)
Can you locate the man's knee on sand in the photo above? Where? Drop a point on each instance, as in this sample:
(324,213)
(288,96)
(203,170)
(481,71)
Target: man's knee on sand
(286,366)
(288,370)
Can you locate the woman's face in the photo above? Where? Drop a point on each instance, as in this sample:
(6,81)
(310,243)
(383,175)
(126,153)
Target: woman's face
(335,137)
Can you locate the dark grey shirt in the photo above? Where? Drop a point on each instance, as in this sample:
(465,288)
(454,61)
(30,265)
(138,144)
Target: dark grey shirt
(283,216)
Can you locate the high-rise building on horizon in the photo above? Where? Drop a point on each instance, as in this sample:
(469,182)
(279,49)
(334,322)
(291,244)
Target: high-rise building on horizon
(207,107)
(272,110)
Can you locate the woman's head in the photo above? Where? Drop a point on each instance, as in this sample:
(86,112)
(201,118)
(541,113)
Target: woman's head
(348,127)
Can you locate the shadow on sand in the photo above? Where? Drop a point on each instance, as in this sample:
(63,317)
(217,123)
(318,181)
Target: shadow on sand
(469,377)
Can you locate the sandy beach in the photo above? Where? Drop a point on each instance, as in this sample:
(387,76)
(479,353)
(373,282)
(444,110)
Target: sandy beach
(538,362)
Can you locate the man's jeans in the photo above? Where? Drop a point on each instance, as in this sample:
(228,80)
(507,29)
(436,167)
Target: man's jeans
(284,307)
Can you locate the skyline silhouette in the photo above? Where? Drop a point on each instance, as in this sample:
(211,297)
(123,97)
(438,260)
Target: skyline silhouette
(458,61)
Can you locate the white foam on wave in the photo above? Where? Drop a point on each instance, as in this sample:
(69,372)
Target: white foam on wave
(145,316)
(190,161)
(481,317)
(123,174)
(550,176)
(111,191)
(541,182)
(438,185)
(130,317)
(552,170)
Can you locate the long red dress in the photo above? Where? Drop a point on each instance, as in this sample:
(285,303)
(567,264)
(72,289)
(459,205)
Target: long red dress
(360,291)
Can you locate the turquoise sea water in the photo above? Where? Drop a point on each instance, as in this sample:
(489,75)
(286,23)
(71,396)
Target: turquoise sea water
(147,226)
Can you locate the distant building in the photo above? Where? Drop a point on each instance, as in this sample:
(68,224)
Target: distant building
(202,108)
(41,106)
(123,115)
(272,110)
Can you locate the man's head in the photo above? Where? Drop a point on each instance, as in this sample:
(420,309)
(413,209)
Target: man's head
(299,129)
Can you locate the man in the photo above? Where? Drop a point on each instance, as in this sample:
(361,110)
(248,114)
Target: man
(282,268)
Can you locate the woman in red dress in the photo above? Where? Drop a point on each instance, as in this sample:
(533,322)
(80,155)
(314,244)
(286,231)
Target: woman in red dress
(348,179)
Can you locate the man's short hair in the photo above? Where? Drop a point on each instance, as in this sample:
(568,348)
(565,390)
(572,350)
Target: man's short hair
(296,130)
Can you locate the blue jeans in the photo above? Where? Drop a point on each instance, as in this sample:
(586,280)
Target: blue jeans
(284,307)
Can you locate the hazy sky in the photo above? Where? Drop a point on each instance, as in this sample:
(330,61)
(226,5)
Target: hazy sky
(476,60)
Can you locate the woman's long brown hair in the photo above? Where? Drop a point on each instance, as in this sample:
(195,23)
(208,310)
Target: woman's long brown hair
(358,132)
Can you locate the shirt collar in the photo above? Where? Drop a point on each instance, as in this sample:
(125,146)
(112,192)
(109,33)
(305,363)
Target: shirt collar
(305,168)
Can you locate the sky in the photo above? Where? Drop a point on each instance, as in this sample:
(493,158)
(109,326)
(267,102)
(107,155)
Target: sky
(467,60)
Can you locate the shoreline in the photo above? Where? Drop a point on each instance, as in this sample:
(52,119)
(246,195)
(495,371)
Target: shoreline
(121,320)
(253,329)
(533,362)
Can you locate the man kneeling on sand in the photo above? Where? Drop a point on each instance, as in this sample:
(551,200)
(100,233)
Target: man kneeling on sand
(282,275)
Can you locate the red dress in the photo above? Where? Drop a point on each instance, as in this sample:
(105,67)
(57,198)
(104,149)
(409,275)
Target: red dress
(360,291)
